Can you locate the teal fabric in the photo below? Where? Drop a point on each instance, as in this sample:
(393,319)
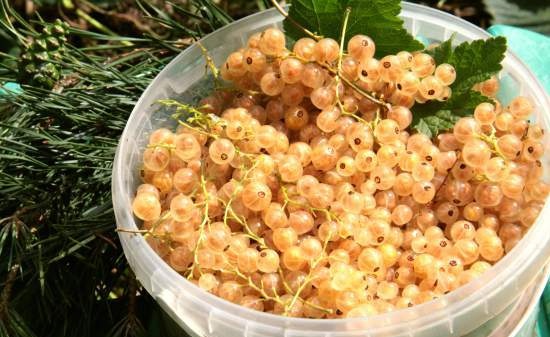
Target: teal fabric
(10,87)
(534,50)
(542,329)
(543,324)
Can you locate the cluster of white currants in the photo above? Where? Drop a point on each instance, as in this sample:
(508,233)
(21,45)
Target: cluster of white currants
(308,71)
(302,193)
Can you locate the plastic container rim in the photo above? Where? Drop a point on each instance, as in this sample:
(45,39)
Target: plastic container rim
(455,302)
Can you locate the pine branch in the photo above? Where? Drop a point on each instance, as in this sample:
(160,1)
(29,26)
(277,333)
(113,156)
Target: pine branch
(56,150)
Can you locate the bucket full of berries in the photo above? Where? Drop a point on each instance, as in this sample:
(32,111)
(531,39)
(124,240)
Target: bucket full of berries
(321,172)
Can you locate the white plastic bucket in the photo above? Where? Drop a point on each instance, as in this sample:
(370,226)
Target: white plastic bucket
(486,301)
(522,320)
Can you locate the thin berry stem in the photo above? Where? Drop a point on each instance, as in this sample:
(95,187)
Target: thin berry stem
(150,232)
(328,214)
(161,145)
(339,66)
(276,298)
(355,87)
(205,221)
(294,22)
(491,140)
(230,213)
(210,65)
(308,278)
(365,94)
(131,231)
(346,81)
(261,290)
(339,75)
(447,175)
(343,39)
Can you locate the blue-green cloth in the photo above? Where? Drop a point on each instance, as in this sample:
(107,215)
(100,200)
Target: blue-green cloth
(534,50)
(10,87)
(543,326)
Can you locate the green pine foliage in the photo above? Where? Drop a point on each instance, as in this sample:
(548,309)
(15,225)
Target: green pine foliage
(37,64)
(62,269)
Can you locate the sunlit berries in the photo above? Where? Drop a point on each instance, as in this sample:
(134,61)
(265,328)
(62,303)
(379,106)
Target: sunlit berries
(290,192)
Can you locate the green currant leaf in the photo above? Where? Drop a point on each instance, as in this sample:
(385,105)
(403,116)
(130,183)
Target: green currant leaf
(442,53)
(375,18)
(432,125)
(433,117)
(474,62)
